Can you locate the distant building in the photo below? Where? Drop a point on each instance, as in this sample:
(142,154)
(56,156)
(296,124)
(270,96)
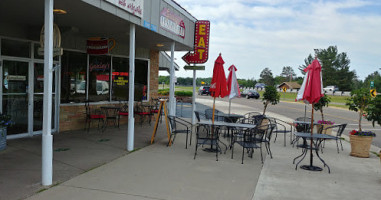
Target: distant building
(289,85)
(260,85)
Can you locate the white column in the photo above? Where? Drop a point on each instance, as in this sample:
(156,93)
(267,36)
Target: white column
(194,98)
(47,138)
(131,92)
(172,100)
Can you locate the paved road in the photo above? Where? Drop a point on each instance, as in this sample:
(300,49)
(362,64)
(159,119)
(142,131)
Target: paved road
(294,110)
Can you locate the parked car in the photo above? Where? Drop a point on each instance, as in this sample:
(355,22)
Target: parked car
(204,90)
(331,88)
(250,94)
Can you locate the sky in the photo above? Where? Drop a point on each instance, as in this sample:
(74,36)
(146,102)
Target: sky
(255,34)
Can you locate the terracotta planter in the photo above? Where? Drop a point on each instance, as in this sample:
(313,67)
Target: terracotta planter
(327,131)
(360,145)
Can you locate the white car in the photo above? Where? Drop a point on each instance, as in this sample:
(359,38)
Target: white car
(331,88)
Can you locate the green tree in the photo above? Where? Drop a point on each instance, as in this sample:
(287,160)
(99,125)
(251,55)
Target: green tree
(359,102)
(335,67)
(270,95)
(376,78)
(324,101)
(267,77)
(164,79)
(288,73)
(374,111)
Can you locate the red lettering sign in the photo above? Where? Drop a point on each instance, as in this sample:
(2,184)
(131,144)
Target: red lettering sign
(201,44)
(97,47)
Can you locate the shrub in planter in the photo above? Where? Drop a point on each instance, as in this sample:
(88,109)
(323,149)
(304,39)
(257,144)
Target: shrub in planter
(360,143)
(361,102)
(325,125)
(5,121)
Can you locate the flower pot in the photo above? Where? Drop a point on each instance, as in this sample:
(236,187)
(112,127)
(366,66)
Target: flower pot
(325,130)
(3,138)
(360,145)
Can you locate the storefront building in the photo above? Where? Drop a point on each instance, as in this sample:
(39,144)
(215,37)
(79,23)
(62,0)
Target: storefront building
(91,48)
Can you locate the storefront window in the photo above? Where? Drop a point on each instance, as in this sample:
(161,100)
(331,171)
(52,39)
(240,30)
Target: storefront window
(120,76)
(141,80)
(74,84)
(73,77)
(15,48)
(99,78)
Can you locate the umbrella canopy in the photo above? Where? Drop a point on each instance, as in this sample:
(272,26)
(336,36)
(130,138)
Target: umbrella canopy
(312,87)
(233,87)
(218,86)
(311,92)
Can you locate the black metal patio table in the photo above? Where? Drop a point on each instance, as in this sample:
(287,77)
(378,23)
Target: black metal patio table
(231,117)
(317,140)
(226,124)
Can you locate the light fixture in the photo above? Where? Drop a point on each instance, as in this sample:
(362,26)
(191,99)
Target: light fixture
(159,45)
(59,11)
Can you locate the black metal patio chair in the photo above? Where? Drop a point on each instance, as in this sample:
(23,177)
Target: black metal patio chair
(207,135)
(178,125)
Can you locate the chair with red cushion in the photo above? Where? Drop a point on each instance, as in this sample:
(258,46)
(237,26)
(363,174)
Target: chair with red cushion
(144,112)
(91,115)
(123,112)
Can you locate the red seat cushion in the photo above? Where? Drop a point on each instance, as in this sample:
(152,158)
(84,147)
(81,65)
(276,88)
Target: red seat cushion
(123,113)
(154,111)
(143,113)
(97,116)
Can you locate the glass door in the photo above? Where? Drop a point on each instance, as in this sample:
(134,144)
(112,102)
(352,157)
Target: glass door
(15,94)
(38,94)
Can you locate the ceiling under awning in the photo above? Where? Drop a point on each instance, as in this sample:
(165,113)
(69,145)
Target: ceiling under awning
(82,19)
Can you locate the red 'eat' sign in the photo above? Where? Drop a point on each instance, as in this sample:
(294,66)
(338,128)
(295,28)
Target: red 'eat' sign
(201,44)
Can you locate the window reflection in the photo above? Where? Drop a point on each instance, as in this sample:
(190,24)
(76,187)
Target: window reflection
(73,77)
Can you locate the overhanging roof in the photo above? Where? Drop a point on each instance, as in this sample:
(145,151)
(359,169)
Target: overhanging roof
(165,62)
(26,17)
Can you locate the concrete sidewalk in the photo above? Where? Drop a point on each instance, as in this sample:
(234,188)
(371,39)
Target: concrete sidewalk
(350,177)
(161,172)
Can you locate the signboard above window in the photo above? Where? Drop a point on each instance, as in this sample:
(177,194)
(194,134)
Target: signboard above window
(134,7)
(172,22)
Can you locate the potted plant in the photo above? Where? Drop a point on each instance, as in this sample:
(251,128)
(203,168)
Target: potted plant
(270,96)
(5,121)
(374,113)
(325,125)
(323,102)
(360,140)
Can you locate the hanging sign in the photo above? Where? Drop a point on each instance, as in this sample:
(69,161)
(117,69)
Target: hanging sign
(134,7)
(201,44)
(57,50)
(100,46)
(172,22)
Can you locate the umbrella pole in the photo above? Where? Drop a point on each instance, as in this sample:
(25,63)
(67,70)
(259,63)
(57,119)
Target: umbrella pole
(214,108)
(230,104)
(310,167)
(312,132)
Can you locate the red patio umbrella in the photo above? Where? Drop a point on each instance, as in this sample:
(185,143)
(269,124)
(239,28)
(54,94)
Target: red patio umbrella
(311,91)
(218,86)
(233,86)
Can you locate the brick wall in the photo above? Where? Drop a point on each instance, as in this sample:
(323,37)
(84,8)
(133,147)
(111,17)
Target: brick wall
(154,73)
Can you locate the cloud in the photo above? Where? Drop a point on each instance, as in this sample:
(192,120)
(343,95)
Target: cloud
(256,34)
